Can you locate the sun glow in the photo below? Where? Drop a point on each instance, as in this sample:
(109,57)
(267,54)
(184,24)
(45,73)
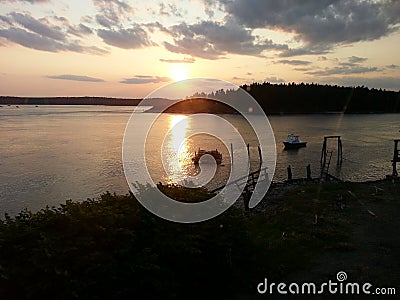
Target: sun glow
(179,72)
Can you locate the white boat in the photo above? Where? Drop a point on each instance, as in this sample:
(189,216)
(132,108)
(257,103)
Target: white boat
(293,142)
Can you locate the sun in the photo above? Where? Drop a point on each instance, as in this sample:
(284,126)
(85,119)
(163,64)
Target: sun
(178,73)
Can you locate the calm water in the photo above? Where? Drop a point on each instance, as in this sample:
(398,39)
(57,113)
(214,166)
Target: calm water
(53,153)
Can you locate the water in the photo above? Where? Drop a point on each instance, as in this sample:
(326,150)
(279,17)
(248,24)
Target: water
(53,153)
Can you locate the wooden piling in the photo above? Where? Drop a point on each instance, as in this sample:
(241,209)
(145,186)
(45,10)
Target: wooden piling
(396,158)
(231,153)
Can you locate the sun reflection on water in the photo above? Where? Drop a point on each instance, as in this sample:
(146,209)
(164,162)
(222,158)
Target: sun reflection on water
(178,149)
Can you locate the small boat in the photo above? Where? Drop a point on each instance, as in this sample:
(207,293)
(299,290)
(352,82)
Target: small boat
(214,153)
(293,142)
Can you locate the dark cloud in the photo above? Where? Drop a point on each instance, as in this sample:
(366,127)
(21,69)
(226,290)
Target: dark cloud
(80,30)
(302,69)
(339,70)
(187,60)
(295,62)
(38,34)
(112,12)
(40,27)
(31,40)
(213,40)
(153,26)
(356,59)
(306,50)
(324,22)
(392,66)
(4,21)
(75,78)
(143,79)
(352,61)
(131,38)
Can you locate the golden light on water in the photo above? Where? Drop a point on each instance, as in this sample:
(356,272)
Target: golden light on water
(178,147)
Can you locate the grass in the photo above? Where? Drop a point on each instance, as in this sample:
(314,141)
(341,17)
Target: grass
(111,247)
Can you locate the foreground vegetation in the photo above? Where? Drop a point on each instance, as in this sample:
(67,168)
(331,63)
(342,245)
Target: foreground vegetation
(111,247)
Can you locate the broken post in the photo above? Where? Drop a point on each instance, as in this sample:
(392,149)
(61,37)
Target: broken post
(289,173)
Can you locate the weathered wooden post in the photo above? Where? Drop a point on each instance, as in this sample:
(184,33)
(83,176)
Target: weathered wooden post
(396,158)
(309,172)
(260,156)
(231,153)
(289,173)
(323,152)
(246,198)
(340,151)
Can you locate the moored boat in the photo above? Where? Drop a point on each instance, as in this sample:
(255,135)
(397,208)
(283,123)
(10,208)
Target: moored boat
(214,153)
(293,142)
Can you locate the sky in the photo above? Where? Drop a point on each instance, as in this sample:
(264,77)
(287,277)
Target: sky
(126,48)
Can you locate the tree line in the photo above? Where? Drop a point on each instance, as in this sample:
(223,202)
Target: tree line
(314,98)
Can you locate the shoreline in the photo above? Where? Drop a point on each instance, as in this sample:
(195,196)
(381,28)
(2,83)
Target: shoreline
(151,110)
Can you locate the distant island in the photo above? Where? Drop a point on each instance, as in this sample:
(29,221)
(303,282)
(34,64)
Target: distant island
(291,98)
(6,100)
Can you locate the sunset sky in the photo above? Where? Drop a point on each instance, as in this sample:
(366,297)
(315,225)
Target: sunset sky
(126,48)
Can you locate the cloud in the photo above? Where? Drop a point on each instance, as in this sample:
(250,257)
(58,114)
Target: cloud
(170,10)
(392,66)
(130,38)
(112,12)
(306,50)
(324,22)
(38,26)
(38,42)
(352,61)
(391,83)
(152,26)
(356,60)
(343,70)
(274,79)
(75,78)
(186,60)
(31,40)
(302,69)
(213,40)
(29,1)
(143,79)
(46,34)
(294,62)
